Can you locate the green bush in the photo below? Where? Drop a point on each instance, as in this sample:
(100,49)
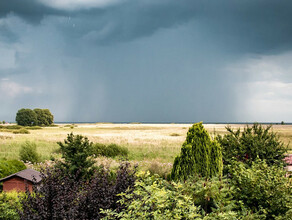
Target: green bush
(28,153)
(111,150)
(261,188)
(155,198)
(11,127)
(33,127)
(21,131)
(9,204)
(8,167)
(199,155)
(254,142)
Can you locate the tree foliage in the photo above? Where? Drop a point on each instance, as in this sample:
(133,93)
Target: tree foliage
(77,154)
(261,188)
(9,203)
(40,117)
(252,143)
(8,167)
(44,117)
(200,155)
(155,198)
(26,117)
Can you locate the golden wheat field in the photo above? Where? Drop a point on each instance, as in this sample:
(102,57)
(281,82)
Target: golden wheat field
(161,142)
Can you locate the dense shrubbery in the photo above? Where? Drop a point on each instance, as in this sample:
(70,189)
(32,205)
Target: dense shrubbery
(199,155)
(62,196)
(261,188)
(111,150)
(8,167)
(254,142)
(9,203)
(155,198)
(195,198)
(28,117)
(28,153)
(252,189)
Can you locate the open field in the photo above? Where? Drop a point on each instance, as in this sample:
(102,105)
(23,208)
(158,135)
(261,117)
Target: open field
(160,142)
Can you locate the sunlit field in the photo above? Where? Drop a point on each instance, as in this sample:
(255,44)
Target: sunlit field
(145,142)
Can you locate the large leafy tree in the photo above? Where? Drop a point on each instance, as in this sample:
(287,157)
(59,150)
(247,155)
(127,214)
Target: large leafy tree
(44,117)
(26,117)
(200,155)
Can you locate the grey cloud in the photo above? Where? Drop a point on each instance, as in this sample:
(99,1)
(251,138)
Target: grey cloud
(143,60)
(7,35)
(31,10)
(249,26)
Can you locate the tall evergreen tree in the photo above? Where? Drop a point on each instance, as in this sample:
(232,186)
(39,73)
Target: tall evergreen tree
(77,152)
(199,155)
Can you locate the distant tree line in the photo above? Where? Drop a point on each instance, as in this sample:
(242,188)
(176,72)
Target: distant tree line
(36,117)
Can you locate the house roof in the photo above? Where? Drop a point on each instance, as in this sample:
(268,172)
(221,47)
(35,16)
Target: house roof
(27,174)
(288,159)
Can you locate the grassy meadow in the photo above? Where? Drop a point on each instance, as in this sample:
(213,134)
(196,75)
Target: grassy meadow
(148,144)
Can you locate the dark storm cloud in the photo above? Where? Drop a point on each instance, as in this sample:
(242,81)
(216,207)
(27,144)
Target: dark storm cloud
(136,60)
(30,10)
(244,26)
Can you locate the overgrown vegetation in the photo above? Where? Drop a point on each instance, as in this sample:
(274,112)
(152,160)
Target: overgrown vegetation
(9,204)
(254,187)
(8,167)
(261,188)
(63,196)
(155,198)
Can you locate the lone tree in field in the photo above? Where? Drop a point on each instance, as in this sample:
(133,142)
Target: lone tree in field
(28,117)
(200,155)
(77,152)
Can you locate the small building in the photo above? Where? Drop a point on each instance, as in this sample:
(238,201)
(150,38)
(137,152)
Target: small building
(21,180)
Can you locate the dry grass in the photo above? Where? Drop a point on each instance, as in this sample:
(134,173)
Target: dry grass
(146,142)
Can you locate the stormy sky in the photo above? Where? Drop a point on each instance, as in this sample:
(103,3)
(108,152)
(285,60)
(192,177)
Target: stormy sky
(147,60)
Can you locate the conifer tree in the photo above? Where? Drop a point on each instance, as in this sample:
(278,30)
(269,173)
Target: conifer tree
(200,155)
